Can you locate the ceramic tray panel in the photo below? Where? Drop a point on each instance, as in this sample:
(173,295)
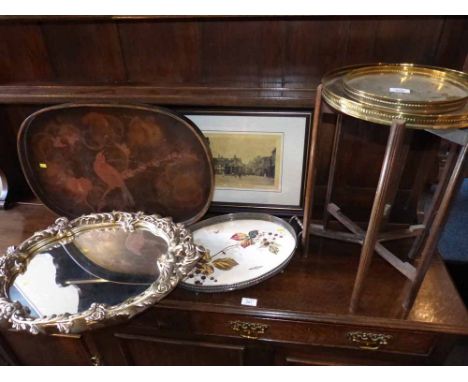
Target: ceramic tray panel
(242,250)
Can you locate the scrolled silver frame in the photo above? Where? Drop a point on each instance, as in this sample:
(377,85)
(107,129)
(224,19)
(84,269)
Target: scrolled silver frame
(173,266)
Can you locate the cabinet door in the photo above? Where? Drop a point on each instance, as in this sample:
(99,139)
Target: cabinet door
(7,357)
(145,350)
(39,350)
(328,356)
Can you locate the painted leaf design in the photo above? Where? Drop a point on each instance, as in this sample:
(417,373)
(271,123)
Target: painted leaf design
(253,234)
(246,243)
(207,269)
(239,236)
(225,263)
(274,249)
(206,257)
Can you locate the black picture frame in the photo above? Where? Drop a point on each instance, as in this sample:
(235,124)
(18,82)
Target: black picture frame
(274,209)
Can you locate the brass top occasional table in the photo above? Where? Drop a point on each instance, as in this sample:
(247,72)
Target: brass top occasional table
(404,97)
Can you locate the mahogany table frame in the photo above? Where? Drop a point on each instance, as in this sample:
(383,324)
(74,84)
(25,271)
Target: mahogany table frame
(426,234)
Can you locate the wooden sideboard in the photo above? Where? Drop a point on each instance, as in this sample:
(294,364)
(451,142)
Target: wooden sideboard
(267,63)
(301,318)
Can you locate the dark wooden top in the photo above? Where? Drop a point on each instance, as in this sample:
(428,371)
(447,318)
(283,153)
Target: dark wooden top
(313,288)
(228,95)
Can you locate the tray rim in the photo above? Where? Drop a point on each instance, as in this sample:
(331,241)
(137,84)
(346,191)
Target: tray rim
(251,282)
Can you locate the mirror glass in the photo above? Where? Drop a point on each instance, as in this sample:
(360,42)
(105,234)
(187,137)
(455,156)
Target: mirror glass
(105,265)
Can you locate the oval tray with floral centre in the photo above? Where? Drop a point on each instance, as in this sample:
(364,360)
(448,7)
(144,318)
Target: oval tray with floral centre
(89,158)
(242,249)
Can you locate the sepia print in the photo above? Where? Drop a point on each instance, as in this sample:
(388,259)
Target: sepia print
(247,161)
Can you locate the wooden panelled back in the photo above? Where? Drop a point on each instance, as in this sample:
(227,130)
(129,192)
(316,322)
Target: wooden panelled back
(252,52)
(226,54)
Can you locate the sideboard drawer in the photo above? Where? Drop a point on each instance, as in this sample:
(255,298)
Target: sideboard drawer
(334,335)
(169,322)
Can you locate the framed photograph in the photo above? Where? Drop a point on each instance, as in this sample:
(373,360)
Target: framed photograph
(259,158)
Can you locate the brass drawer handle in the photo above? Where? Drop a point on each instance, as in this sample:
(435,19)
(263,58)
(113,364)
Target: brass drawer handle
(249,330)
(369,341)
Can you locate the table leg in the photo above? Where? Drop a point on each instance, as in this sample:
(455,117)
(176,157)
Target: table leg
(311,171)
(331,171)
(441,215)
(395,177)
(390,165)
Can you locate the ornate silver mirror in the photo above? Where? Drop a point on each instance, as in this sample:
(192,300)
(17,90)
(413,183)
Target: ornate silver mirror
(92,271)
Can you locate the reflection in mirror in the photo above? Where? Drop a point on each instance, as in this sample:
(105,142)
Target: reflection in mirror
(38,290)
(134,254)
(98,266)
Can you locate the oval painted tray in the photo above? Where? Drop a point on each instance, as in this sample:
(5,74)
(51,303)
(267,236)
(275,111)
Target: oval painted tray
(87,158)
(243,249)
